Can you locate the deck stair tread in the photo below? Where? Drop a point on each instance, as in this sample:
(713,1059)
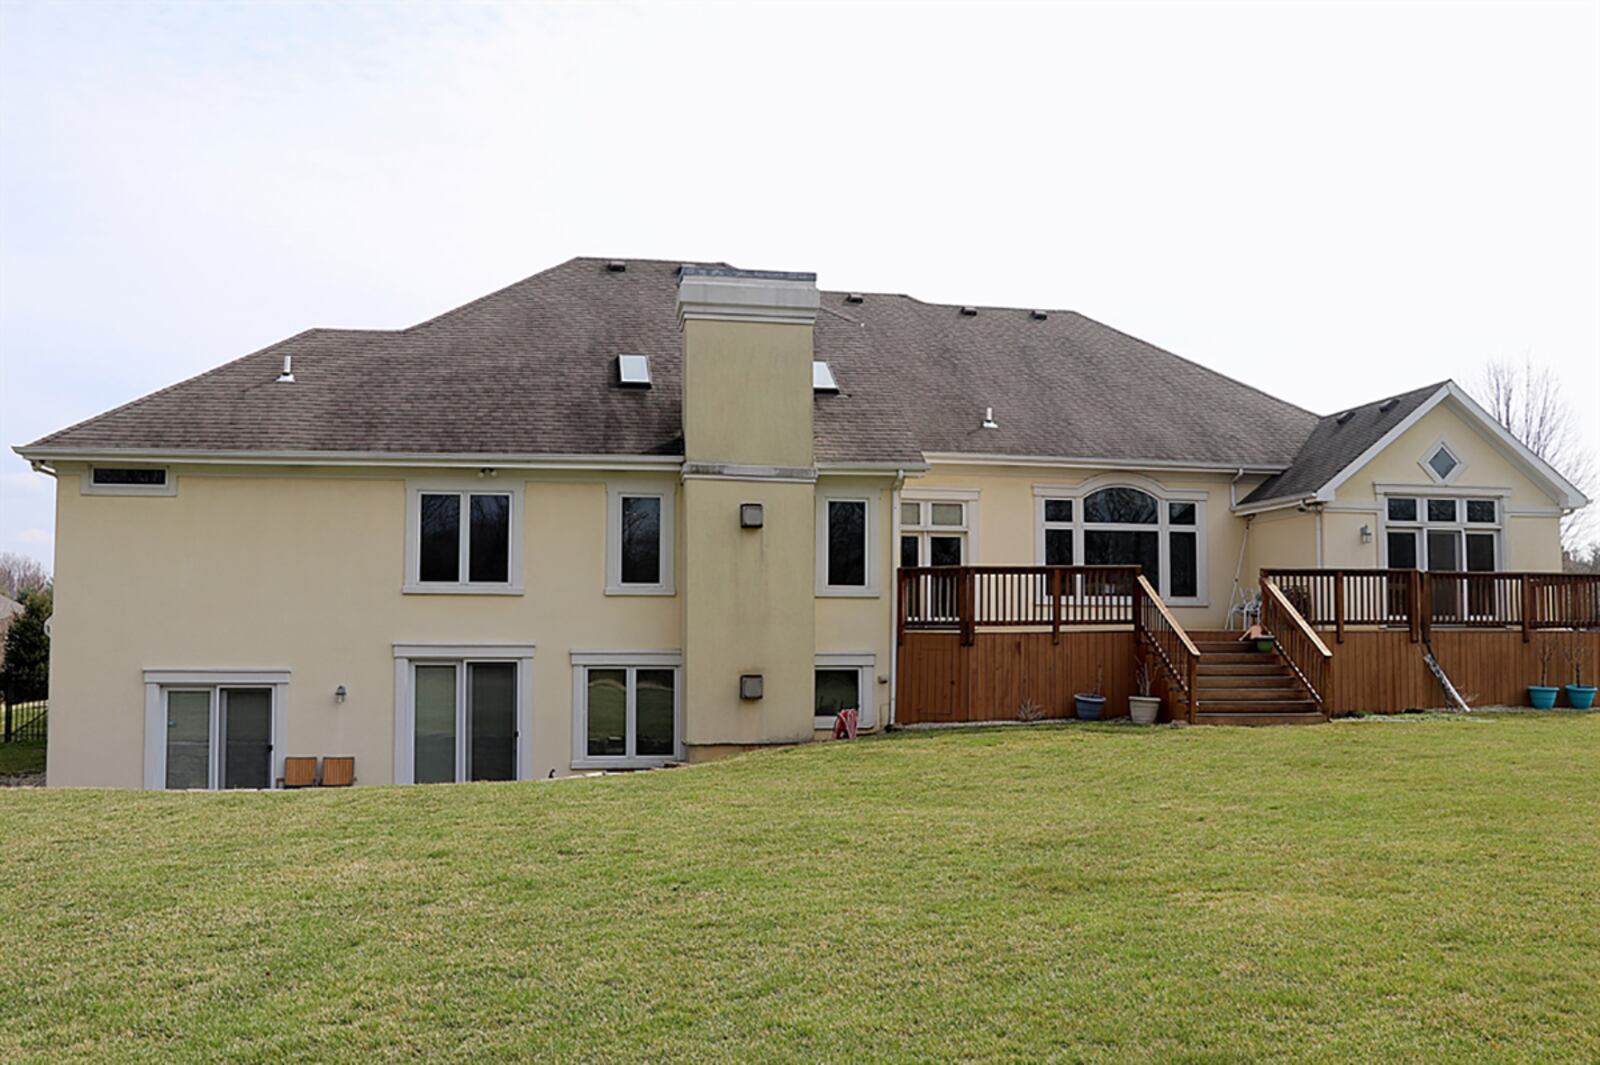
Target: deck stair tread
(1239,685)
(1222,716)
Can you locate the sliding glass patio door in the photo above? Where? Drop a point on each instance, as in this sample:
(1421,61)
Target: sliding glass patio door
(219,738)
(465,721)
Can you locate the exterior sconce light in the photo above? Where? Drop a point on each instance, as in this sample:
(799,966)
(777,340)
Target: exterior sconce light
(751,516)
(750,686)
(339,694)
(1366,534)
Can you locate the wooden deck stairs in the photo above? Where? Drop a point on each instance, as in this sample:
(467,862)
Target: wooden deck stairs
(1239,685)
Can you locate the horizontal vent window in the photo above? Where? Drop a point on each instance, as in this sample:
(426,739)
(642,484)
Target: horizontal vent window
(130,477)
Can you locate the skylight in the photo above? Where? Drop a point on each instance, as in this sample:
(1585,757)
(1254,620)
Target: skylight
(633,371)
(822,379)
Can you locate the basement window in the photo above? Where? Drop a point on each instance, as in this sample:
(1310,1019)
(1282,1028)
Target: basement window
(128,481)
(626,709)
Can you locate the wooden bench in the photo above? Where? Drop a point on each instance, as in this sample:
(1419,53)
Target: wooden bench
(338,772)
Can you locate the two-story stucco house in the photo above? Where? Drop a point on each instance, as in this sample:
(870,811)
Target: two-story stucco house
(628,513)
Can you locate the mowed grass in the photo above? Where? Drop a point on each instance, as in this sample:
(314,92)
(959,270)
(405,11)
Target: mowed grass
(1408,889)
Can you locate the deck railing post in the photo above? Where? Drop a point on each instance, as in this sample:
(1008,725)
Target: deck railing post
(1413,595)
(1055,606)
(1338,604)
(1527,607)
(967,605)
(900,607)
(1193,681)
(1425,606)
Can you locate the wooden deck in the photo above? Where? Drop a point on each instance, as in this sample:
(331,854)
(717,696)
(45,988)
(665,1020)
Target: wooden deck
(999,643)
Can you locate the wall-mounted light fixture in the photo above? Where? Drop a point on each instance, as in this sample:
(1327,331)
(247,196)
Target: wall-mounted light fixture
(751,516)
(1366,534)
(339,693)
(751,686)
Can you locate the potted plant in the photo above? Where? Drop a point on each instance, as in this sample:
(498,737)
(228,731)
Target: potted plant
(1580,696)
(1542,696)
(1144,708)
(1091,704)
(1260,637)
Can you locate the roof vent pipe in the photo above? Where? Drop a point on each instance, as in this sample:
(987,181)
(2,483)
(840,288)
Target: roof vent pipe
(969,312)
(988,419)
(287,376)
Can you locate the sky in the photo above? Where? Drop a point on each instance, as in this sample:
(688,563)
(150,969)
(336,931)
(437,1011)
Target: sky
(1330,202)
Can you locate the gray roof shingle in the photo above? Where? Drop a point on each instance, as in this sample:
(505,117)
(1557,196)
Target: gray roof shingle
(530,370)
(1333,445)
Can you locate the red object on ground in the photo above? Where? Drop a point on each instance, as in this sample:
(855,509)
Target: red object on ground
(845,724)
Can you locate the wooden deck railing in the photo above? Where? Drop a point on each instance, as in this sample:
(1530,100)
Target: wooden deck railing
(1299,643)
(1170,645)
(968,598)
(1420,599)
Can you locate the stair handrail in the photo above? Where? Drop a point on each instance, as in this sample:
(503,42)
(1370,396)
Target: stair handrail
(1161,629)
(1302,648)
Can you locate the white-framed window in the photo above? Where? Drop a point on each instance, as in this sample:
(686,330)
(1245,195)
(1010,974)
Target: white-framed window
(1161,530)
(1441,463)
(120,480)
(844,680)
(847,562)
(640,521)
(937,530)
(464,536)
(213,729)
(462,712)
(627,709)
(1441,533)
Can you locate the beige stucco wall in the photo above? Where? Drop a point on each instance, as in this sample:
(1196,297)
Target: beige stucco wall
(860,625)
(303,570)
(748,609)
(747,393)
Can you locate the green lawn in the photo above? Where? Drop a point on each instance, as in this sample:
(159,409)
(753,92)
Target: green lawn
(1403,889)
(16,758)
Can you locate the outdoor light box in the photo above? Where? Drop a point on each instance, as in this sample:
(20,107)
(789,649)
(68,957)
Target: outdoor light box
(751,516)
(750,686)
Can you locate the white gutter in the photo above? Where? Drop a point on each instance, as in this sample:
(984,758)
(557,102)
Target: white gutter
(464,460)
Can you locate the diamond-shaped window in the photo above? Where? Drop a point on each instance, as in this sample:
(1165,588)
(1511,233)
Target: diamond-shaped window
(1442,462)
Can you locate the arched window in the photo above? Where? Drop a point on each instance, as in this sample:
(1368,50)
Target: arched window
(1121,525)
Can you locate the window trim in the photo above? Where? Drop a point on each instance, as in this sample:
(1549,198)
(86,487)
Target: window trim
(1163,527)
(157,682)
(465,487)
(1433,474)
(406,658)
(632,662)
(872,498)
(667,493)
(865,663)
(87,487)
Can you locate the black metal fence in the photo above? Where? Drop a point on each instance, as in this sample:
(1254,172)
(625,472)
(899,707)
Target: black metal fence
(24,722)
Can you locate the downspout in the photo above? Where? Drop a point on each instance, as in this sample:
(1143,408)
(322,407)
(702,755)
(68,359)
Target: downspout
(1317,508)
(894,609)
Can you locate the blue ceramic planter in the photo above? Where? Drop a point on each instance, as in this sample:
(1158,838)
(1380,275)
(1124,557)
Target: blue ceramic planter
(1541,697)
(1089,706)
(1580,696)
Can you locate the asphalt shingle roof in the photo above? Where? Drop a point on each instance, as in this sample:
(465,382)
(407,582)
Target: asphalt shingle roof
(531,370)
(1333,444)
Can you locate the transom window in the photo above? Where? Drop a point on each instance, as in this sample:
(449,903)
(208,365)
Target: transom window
(626,710)
(462,540)
(128,481)
(1122,525)
(639,553)
(933,532)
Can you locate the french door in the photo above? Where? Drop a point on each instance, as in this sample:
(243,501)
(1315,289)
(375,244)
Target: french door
(465,721)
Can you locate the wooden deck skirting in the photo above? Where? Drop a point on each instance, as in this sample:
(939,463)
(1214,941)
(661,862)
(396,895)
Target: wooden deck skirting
(981,643)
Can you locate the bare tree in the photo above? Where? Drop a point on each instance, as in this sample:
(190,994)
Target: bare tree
(1528,401)
(20,575)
